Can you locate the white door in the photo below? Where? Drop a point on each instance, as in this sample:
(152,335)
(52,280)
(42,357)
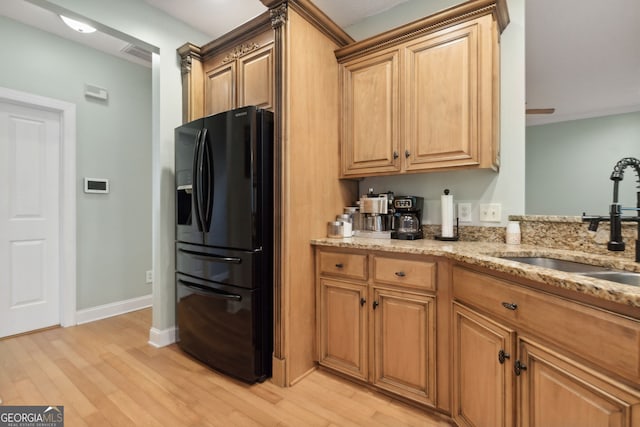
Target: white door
(30,144)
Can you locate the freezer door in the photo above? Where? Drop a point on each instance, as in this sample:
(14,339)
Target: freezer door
(224,327)
(239,200)
(223,266)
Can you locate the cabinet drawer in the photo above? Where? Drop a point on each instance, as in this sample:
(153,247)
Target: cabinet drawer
(353,266)
(395,271)
(609,340)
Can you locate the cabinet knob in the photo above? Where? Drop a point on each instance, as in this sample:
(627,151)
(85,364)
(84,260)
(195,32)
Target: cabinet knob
(400,273)
(510,305)
(339,265)
(518,368)
(395,155)
(362,301)
(407,153)
(502,356)
(375,304)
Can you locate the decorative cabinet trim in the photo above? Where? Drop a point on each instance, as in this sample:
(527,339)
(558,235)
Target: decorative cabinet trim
(240,51)
(446,18)
(278,15)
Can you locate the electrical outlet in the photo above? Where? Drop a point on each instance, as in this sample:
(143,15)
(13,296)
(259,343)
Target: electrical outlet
(490,212)
(149,276)
(464,212)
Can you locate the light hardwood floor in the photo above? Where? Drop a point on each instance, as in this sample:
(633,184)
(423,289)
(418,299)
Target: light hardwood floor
(105,373)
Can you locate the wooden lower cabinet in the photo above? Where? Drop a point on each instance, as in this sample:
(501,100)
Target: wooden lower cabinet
(404,343)
(343,327)
(483,386)
(556,391)
(375,328)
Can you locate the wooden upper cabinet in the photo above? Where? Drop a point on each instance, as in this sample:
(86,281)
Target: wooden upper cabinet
(424,96)
(233,71)
(370,115)
(220,89)
(256,79)
(240,76)
(441,100)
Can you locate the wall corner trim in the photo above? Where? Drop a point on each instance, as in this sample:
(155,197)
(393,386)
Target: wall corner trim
(162,338)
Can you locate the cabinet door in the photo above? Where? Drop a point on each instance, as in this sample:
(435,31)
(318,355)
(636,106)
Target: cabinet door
(482,370)
(220,89)
(557,391)
(255,78)
(370,140)
(343,324)
(442,99)
(404,344)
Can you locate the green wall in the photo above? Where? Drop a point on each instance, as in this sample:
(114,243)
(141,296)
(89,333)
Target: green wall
(113,141)
(569,164)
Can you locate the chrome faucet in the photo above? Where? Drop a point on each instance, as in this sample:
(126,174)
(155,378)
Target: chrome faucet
(615,211)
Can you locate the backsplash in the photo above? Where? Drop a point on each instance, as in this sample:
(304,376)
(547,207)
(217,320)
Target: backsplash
(550,231)
(569,232)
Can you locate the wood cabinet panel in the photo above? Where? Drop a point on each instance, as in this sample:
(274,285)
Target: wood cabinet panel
(342,264)
(442,99)
(404,272)
(220,89)
(370,115)
(585,330)
(343,327)
(255,78)
(404,344)
(482,384)
(447,112)
(559,392)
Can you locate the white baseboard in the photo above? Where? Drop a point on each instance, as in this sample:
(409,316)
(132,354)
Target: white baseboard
(162,337)
(113,309)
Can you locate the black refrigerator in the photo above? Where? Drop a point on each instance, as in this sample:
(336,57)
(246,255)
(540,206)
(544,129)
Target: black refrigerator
(224,241)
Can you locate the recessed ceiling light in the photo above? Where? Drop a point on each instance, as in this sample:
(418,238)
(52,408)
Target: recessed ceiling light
(80,27)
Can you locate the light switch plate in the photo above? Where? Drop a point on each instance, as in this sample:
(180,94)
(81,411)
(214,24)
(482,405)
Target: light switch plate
(490,212)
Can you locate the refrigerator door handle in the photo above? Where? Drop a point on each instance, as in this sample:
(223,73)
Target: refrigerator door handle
(200,175)
(210,257)
(207,165)
(209,292)
(195,183)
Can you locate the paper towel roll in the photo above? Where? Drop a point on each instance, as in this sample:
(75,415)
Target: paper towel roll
(447,214)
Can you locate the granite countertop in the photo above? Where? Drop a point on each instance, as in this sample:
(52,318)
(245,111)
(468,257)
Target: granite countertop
(486,254)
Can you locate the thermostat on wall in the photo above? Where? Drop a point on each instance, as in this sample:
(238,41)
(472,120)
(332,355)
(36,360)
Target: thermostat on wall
(96,185)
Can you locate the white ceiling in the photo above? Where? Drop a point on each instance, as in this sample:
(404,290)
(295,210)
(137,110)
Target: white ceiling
(582,56)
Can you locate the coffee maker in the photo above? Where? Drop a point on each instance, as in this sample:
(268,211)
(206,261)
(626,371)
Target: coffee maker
(407,218)
(375,215)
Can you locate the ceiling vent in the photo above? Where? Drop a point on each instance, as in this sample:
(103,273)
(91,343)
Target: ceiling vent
(137,51)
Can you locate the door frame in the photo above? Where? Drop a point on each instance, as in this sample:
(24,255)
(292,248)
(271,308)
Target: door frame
(67,223)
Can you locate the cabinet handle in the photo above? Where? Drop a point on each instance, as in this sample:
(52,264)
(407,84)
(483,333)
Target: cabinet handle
(400,273)
(502,356)
(407,153)
(362,302)
(375,304)
(510,305)
(339,265)
(518,368)
(395,155)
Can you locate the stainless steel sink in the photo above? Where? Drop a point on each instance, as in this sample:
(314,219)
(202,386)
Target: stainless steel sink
(626,277)
(559,264)
(595,271)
